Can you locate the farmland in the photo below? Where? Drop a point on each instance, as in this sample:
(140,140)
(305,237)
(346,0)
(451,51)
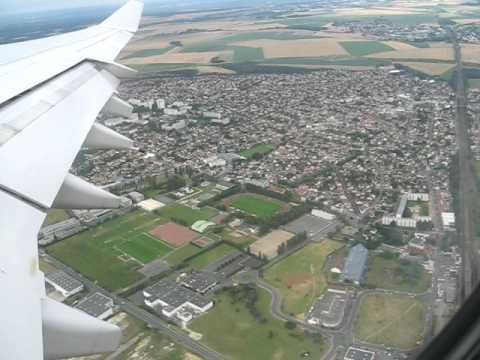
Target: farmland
(391,320)
(362,48)
(97,253)
(239,330)
(300,277)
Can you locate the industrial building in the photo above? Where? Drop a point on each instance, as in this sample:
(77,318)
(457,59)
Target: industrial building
(97,305)
(64,283)
(201,282)
(356,264)
(175,301)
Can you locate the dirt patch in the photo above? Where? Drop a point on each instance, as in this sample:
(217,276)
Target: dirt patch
(174,234)
(299,279)
(471,53)
(398,45)
(268,244)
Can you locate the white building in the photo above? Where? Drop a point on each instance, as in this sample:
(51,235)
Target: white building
(448,219)
(323,215)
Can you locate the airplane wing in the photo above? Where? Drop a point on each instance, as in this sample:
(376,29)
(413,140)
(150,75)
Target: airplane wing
(52,91)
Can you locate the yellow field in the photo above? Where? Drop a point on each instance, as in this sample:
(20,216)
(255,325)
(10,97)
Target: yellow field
(471,53)
(297,48)
(375,11)
(398,45)
(333,67)
(429,68)
(179,58)
(427,53)
(214,70)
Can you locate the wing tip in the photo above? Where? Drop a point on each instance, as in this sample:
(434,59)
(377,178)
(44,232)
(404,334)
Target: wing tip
(126,18)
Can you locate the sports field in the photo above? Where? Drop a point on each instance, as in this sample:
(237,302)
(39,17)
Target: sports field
(239,336)
(97,253)
(390,320)
(144,248)
(255,205)
(179,255)
(362,48)
(300,277)
(185,215)
(390,274)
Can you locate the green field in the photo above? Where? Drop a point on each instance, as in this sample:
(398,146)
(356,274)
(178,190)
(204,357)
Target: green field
(209,256)
(259,149)
(148,52)
(390,274)
(362,48)
(246,53)
(55,216)
(300,277)
(255,205)
(231,329)
(94,253)
(144,248)
(391,320)
(179,255)
(419,206)
(185,215)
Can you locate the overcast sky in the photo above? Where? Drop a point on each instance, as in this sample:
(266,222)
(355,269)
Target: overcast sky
(11,6)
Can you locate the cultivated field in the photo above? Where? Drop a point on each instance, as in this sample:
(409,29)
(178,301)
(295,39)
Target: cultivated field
(300,277)
(438,53)
(239,336)
(362,48)
(392,275)
(179,58)
(55,216)
(297,48)
(254,204)
(268,244)
(97,254)
(390,320)
(433,69)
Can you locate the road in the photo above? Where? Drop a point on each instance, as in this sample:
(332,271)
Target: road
(141,314)
(467,182)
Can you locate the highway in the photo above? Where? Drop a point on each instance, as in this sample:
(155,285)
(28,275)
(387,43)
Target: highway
(467,182)
(141,314)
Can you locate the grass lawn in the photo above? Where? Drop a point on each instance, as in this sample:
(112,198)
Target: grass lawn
(94,252)
(55,216)
(255,205)
(260,149)
(391,320)
(419,207)
(231,329)
(144,248)
(179,255)
(390,274)
(300,277)
(211,255)
(185,214)
(362,48)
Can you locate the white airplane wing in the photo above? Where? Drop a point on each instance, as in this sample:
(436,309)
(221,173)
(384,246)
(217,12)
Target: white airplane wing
(52,91)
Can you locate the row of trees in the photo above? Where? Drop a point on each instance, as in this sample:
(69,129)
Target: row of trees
(292,243)
(282,218)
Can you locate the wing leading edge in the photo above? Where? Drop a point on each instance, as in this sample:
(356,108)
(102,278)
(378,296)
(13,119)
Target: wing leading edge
(52,91)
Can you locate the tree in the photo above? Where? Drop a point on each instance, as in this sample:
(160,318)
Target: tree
(290,325)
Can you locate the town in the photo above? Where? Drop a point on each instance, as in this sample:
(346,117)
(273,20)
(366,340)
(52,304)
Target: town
(327,190)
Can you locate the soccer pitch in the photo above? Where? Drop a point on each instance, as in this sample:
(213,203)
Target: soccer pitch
(144,248)
(255,205)
(100,252)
